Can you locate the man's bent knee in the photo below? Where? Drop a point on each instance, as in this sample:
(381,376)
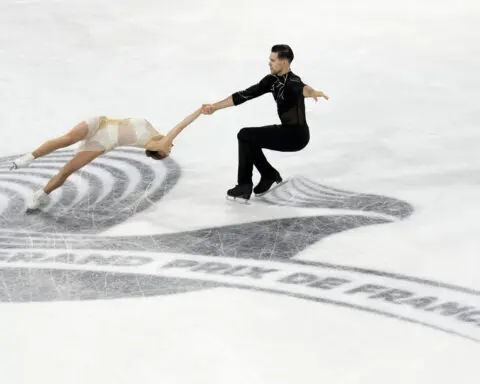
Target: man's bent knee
(244,133)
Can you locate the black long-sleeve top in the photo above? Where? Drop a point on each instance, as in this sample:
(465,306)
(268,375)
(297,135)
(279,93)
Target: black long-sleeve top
(288,93)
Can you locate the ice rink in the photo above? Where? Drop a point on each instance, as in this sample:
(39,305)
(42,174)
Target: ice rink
(363,268)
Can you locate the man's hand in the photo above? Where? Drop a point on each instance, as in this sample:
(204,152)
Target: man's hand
(208,109)
(310,92)
(317,94)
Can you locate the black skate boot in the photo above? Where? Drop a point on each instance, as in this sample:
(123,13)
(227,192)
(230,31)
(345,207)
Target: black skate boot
(240,191)
(265,183)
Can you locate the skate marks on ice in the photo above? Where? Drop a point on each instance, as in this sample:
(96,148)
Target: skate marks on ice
(103,194)
(57,255)
(106,192)
(254,256)
(304,192)
(118,185)
(36,284)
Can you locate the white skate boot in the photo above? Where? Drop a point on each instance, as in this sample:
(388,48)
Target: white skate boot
(38,198)
(22,162)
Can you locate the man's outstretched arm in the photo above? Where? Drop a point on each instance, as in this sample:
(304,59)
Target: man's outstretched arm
(310,92)
(208,109)
(240,97)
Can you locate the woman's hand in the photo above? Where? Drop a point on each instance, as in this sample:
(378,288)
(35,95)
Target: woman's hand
(163,146)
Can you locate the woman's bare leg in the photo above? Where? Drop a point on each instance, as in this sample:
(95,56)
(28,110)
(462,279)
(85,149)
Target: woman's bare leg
(78,161)
(79,132)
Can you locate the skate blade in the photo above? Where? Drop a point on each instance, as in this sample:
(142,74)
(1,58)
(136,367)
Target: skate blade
(272,188)
(241,200)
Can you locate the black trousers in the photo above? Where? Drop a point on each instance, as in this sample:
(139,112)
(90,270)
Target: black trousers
(251,141)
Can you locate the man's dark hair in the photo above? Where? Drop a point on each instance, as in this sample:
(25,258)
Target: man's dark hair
(284,52)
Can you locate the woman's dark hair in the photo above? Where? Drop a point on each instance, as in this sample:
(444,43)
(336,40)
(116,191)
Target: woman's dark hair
(284,52)
(154,155)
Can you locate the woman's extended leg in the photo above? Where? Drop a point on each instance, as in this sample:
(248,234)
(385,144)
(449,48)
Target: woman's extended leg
(78,161)
(77,133)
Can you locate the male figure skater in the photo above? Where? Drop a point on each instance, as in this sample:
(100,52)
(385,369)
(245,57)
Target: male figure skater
(291,135)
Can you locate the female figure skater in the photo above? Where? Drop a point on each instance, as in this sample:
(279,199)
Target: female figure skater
(100,135)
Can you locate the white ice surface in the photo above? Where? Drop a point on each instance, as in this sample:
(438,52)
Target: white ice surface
(402,121)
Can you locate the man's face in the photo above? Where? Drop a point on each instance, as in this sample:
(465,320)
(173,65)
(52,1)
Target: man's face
(277,65)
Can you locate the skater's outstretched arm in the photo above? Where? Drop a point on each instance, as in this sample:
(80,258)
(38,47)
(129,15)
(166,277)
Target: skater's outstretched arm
(310,92)
(240,97)
(208,109)
(164,143)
